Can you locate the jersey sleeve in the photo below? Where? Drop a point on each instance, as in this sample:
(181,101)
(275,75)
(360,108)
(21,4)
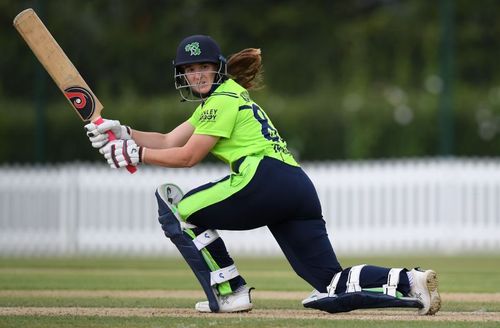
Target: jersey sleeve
(216,117)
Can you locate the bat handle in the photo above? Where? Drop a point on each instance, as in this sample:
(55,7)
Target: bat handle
(111,136)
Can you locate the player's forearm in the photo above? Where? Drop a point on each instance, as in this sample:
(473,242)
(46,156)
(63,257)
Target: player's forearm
(153,140)
(173,157)
(175,138)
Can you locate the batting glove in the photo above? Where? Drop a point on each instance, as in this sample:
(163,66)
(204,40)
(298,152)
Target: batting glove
(98,133)
(121,153)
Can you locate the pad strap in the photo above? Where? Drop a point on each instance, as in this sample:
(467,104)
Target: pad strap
(353,279)
(185,225)
(333,285)
(224,274)
(205,238)
(392,282)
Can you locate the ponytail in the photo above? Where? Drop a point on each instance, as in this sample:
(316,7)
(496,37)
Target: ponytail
(245,67)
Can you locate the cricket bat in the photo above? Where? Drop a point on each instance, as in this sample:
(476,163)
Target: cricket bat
(61,69)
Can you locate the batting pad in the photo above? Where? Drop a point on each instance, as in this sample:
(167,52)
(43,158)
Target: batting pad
(184,243)
(213,279)
(361,300)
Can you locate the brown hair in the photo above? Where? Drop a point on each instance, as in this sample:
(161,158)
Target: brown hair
(245,67)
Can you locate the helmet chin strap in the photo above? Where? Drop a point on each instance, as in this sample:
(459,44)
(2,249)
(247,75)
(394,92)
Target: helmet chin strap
(212,89)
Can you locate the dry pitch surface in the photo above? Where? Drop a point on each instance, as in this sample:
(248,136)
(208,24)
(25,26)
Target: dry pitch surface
(379,315)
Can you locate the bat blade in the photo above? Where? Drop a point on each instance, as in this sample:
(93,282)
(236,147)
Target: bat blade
(58,65)
(60,68)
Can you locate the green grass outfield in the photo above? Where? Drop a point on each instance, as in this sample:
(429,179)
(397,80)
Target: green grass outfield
(161,292)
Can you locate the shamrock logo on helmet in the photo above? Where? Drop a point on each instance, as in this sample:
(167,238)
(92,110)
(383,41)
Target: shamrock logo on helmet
(193,48)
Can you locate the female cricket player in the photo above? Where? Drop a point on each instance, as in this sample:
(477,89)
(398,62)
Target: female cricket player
(266,187)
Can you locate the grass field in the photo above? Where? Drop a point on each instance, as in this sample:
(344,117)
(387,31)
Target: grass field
(161,292)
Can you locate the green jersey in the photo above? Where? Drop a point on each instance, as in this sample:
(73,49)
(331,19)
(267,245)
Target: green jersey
(242,126)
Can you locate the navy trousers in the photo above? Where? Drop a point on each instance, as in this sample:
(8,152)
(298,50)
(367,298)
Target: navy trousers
(283,198)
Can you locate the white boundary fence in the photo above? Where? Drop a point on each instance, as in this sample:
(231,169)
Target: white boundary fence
(403,207)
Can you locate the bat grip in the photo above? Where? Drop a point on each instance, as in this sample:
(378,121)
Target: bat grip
(111,136)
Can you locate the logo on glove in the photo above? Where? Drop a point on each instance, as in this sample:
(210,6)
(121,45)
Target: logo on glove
(82,100)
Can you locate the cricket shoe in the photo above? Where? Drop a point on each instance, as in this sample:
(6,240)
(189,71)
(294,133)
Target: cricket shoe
(239,301)
(425,289)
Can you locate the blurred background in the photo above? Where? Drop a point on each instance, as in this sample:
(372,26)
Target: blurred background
(361,86)
(362,79)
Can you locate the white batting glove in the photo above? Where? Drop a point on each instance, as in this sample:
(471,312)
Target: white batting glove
(98,136)
(121,153)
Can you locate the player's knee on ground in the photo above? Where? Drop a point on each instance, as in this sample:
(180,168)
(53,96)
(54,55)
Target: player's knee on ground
(363,287)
